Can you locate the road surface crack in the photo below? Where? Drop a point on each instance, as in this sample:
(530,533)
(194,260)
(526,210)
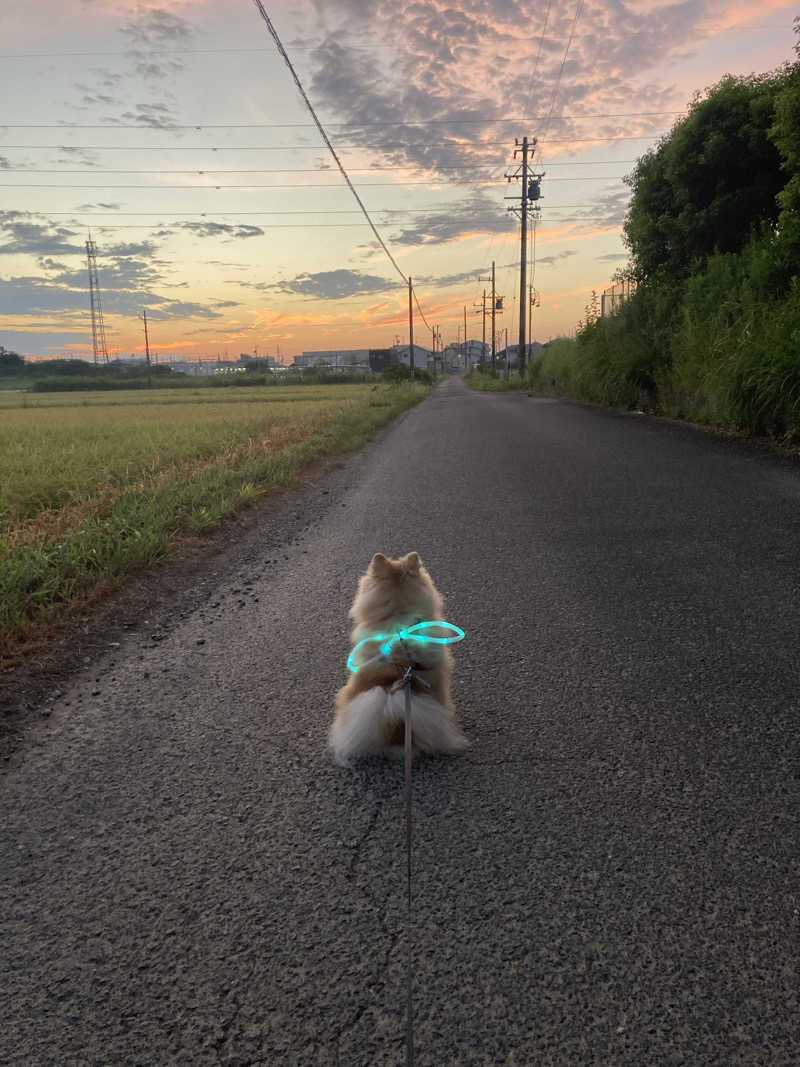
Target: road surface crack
(356,853)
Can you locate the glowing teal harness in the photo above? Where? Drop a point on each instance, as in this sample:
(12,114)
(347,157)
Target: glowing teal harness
(411,633)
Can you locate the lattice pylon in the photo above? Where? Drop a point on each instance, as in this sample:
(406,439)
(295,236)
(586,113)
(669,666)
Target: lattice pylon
(98,326)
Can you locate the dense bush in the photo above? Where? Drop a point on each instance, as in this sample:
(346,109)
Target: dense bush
(399,372)
(712,332)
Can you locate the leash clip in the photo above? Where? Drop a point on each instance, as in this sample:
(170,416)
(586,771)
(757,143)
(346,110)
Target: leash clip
(410,675)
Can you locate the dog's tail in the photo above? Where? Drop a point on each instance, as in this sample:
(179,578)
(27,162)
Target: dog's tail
(373,722)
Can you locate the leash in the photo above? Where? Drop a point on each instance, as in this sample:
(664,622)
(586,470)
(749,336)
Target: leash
(421,633)
(408,678)
(409,675)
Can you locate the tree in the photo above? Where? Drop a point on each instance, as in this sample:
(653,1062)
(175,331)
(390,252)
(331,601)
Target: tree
(785,133)
(10,363)
(710,184)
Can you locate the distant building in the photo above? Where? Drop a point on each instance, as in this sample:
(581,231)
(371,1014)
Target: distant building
(422,356)
(335,359)
(262,362)
(381,358)
(195,367)
(534,351)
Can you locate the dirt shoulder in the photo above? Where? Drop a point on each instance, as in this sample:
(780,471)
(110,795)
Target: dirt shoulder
(153,601)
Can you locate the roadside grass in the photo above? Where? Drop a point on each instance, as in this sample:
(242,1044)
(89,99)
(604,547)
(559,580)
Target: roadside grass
(488,383)
(91,492)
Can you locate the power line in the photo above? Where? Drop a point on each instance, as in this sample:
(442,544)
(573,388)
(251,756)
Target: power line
(167,127)
(323,134)
(390,146)
(578,11)
(106,226)
(538,57)
(294,170)
(489,220)
(454,182)
(130,54)
(429,209)
(309,185)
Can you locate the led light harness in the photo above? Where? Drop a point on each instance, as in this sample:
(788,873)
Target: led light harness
(417,633)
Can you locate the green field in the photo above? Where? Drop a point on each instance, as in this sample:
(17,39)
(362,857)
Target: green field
(94,485)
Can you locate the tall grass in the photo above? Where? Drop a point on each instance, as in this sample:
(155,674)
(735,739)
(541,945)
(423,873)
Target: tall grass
(722,349)
(90,494)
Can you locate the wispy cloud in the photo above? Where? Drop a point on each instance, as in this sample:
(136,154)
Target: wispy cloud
(130,273)
(550,261)
(330,284)
(156,28)
(156,116)
(380,66)
(153,30)
(23,232)
(475,214)
(220,229)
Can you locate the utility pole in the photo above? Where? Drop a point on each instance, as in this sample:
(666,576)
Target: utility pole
(530,191)
(483,350)
(466,346)
(410,329)
(482,307)
(530,315)
(495,309)
(533,302)
(147,351)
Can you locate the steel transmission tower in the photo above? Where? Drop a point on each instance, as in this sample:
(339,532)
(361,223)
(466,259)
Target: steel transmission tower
(98,326)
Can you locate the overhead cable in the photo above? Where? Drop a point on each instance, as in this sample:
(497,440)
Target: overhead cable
(273,33)
(169,126)
(390,146)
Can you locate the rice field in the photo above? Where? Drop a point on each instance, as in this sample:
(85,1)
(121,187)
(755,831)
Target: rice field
(94,485)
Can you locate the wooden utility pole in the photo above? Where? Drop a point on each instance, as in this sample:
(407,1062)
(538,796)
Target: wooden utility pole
(482,307)
(410,328)
(494,308)
(522,255)
(530,192)
(530,315)
(147,351)
(483,350)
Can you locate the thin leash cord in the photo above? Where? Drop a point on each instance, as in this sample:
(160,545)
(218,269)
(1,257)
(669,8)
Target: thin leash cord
(407,680)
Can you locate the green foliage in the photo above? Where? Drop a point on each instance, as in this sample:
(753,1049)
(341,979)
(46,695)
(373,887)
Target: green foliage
(712,333)
(736,352)
(785,133)
(723,349)
(10,363)
(710,183)
(399,372)
(488,382)
(133,473)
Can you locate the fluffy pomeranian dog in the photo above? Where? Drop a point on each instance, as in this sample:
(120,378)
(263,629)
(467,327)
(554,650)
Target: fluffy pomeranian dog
(370,710)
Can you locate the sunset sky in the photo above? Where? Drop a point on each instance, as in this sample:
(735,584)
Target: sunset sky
(175,132)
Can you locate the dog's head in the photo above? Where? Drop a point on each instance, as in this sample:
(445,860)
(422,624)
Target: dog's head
(396,588)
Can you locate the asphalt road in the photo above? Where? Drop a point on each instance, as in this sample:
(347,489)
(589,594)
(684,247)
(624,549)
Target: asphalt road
(609,876)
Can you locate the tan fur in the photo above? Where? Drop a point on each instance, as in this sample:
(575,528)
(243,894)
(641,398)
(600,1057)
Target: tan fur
(392,595)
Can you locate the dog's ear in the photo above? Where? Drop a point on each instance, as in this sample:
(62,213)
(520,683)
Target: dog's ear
(413,563)
(379,565)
